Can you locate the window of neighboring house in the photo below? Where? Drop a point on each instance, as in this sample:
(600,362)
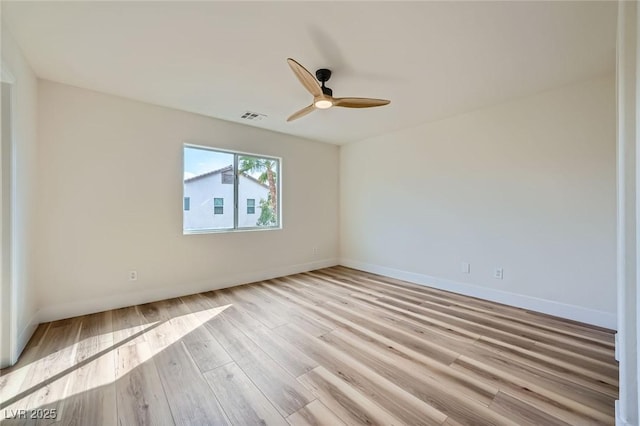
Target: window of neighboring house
(227,176)
(218,206)
(232,177)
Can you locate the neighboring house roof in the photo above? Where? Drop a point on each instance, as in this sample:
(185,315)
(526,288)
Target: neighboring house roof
(224,169)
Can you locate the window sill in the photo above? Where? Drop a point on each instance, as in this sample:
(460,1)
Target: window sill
(228,231)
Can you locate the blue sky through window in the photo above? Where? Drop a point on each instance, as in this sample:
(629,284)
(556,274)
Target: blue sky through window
(198,161)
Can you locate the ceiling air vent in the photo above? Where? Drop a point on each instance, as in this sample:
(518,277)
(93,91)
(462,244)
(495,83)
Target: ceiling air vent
(253,116)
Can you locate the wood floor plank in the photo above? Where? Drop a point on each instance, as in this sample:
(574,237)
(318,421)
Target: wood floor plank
(511,314)
(535,393)
(314,414)
(394,399)
(332,346)
(440,353)
(329,303)
(578,371)
(439,326)
(586,389)
(141,399)
(507,383)
(48,374)
(523,413)
(275,382)
(236,343)
(128,322)
(243,403)
(207,353)
(403,287)
(190,398)
(596,337)
(440,392)
(285,353)
(307,319)
(205,350)
(433,331)
(431,344)
(282,389)
(412,373)
(260,308)
(13,378)
(480,329)
(90,392)
(475,388)
(352,407)
(535,319)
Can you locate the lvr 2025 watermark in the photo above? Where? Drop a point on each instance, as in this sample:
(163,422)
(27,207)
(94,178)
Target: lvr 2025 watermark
(38,413)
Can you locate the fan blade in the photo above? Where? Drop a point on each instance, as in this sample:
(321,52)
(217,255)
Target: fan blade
(306,78)
(359,102)
(304,111)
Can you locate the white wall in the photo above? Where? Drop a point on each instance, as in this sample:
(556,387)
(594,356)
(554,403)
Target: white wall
(110,196)
(24,93)
(528,186)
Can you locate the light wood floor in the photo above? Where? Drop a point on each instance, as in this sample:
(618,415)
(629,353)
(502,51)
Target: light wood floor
(334,346)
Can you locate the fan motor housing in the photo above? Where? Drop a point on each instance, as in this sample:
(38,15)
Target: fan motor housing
(323,75)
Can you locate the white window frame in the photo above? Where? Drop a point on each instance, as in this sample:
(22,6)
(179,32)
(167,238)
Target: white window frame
(236,203)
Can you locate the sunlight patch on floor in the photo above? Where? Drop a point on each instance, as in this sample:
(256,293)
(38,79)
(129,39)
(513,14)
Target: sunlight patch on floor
(92,362)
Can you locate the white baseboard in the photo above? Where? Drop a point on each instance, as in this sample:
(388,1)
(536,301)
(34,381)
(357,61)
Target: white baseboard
(90,306)
(619,420)
(26,333)
(562,310)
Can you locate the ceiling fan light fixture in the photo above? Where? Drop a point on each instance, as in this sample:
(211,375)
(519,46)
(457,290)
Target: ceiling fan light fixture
(323,104)
(322,95)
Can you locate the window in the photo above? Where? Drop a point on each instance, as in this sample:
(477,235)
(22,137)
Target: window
(227,176)
(218,206)
(242,189)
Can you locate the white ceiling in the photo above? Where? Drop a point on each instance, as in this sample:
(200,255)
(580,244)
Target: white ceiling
(432,59)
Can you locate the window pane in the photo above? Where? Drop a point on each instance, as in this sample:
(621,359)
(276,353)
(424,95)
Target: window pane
(203,169)
(218,204)
(258,181)
(217,196)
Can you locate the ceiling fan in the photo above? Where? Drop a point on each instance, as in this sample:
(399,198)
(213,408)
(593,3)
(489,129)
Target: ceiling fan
(322,95)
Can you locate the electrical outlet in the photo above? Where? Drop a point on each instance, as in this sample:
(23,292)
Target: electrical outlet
(465,268)
(133,275)
(498,273)
(315,250)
